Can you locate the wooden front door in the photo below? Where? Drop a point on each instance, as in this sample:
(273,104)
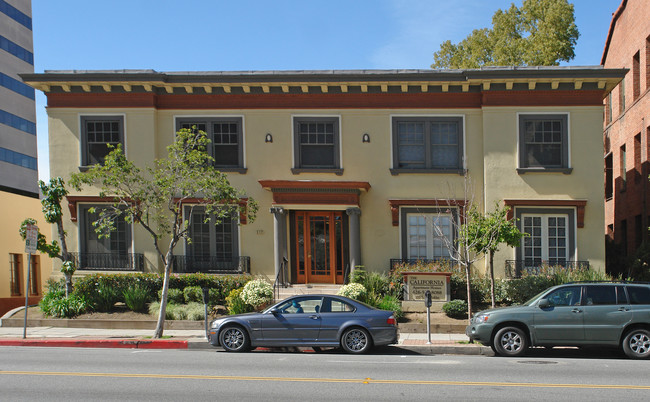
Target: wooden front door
(319,246)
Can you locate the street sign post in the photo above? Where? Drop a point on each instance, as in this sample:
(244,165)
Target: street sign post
(31,242)
(427,304)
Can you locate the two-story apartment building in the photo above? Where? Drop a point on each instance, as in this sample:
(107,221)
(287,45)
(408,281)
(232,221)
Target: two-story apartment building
(349,167)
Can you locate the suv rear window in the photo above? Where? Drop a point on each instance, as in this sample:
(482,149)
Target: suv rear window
(639,294)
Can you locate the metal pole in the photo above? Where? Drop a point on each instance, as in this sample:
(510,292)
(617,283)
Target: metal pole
(29,268)
(206,320)
(428,325)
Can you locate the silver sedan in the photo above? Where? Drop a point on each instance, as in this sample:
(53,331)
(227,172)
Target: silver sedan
(308,320)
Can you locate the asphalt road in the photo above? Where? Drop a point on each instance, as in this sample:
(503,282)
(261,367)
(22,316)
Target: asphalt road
(53,374)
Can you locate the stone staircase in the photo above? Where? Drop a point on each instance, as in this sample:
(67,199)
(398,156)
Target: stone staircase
(301,289)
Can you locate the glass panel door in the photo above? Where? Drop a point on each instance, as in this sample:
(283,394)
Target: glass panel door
(319,246)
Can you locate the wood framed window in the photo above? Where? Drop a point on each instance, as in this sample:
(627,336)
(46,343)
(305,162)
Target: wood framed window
(97,132)
(227,139)
(543,143)
(316,144)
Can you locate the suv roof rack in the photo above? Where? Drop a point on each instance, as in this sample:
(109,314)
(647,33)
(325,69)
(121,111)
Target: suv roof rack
(611,281)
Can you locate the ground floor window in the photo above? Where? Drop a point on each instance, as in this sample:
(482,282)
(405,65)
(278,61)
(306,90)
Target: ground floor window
(551,236)
(16,269)
(116,241)
(209,240)
(427,233)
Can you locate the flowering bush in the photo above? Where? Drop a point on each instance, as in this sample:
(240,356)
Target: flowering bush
(353,291)
(257,292)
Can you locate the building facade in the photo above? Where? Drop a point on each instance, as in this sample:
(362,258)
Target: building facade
(627,128)
(18,167)
(349,168)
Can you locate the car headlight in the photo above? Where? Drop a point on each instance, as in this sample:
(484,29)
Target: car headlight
(481,318)
(215,324)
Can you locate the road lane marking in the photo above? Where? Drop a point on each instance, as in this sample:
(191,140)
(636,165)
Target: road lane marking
(326,380)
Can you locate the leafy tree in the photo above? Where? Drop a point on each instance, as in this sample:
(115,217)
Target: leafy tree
(154,197)
(540,33)
(53,194)
(490,230)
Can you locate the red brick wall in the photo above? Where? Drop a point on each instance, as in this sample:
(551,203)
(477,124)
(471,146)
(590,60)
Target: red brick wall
(630,48)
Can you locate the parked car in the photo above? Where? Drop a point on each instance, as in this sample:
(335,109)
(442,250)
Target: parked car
(307,320)
(573,314)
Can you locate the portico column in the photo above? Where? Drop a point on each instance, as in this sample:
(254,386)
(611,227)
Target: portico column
(279,240)
(355,237)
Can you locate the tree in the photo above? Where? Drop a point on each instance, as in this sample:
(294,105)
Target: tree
(53,194)
(490,230)
(466,248)
(154,198)
(540,33)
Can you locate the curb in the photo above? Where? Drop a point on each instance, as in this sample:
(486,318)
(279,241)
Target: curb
(202,344)
(99,343)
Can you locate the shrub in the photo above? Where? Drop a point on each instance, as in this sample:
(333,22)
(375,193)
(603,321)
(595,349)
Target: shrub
(55,304)
(257,293)
(193,294)
(353,290)
(235,304)
(173,296)
(358,275)
(391,303)
(455,308)
(105,297)
(136,298)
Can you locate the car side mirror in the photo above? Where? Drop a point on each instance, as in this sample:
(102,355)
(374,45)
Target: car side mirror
(544,303)
(274,311)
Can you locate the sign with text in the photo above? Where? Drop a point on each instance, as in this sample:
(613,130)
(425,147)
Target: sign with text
(417,283)
(31,240)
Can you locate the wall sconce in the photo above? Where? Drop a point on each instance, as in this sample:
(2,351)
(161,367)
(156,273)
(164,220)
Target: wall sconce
(366,138)
(268,138)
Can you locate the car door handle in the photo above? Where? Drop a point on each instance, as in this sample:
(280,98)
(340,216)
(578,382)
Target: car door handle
(576,310)
(314,317)
(623,309)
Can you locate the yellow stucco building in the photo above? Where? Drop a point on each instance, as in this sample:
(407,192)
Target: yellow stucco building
(349,168)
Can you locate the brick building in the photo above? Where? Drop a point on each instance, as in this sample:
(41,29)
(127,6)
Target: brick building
(627,129)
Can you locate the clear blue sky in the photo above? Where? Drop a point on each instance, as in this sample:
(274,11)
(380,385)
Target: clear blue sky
(212,35)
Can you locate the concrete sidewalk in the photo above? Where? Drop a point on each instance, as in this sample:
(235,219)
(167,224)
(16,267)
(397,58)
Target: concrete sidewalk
(195,340)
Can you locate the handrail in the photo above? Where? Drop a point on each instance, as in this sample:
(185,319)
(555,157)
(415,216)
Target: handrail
(281,279)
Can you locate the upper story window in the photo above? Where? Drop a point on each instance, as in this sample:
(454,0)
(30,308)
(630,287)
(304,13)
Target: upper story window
(543,143)
(96,133)
(427,144)
(316,144)
(226,136)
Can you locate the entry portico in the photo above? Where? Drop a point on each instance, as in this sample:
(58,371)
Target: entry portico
(321,221)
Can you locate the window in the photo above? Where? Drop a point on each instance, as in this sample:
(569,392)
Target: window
(226,136)
(636,76)
(331,305)
(647,66)
(621,97)
(623,235)
(639,294)
(600,295)
(316,143)
(118,241)
(637,158)
(543,142)
(96,133)
(427,144)
(608,113)
(546,240)
(426,233)
(638,230)
(210,241)
(16,268)
(566,296)
(551,236)
(623,167)
(609,177)
(301,305)
(35,276)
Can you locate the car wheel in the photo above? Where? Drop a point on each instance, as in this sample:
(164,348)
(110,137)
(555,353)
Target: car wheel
(636,344)
(234,339)
(510,341)
(356,340)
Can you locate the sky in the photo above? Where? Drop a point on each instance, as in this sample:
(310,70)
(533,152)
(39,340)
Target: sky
(241,35)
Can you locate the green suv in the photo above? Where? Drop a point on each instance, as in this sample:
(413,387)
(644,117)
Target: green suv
(573,314)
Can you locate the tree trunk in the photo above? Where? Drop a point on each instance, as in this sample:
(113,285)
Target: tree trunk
(469,292)
(65,256)
(158,333)
(492,278)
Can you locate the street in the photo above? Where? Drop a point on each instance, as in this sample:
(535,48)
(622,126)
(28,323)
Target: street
(31,373)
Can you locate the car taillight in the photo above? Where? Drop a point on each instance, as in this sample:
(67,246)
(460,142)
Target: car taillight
(391,320)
